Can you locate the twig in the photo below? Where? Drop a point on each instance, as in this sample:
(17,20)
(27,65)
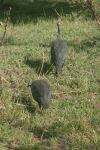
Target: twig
(6,80)
(48,70)
(89,5)
(8,16)
(1,107)
(22,105)
(1,23)
(56,12)
(56,3)
(53,5)
(42,65)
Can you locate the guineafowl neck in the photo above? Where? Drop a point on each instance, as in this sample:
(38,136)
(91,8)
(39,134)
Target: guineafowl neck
(59,30)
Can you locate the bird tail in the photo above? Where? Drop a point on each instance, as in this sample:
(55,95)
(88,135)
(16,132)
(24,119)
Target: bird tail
(29,84)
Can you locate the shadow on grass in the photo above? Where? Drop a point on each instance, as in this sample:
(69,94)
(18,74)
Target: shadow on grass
(45,45)
(45,146)
(11,40)
(56,130)
(26,11)
(37,64)
(84,44)
(24,101)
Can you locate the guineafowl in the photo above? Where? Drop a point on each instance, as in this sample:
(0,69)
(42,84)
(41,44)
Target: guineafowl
(41,92)
(58,51)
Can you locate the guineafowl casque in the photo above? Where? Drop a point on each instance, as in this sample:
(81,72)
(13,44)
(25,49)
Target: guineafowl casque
(58,51)
(41,92)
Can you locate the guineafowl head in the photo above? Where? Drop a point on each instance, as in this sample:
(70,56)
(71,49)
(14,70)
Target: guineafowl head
(59,30)
(29,84)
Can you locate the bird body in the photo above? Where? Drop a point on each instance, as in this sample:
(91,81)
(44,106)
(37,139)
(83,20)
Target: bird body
(41,92)
(58,51)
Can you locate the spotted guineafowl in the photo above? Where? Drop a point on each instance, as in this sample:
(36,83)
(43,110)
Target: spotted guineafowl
(58,51)
(41,92)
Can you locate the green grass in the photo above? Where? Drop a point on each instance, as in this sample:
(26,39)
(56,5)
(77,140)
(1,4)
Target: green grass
(73,118)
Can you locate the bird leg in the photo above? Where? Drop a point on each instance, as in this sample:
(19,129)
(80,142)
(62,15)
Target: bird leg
(56,74)
(42,110)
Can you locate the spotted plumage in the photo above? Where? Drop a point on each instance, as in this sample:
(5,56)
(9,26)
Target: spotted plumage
(58,51)
(41,92)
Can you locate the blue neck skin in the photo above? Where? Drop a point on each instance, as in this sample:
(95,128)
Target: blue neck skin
(59,31)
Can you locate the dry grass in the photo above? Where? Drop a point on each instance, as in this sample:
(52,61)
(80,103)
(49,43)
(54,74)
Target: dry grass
(72,121)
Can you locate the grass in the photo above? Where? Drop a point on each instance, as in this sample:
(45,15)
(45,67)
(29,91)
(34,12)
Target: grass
(73,118)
